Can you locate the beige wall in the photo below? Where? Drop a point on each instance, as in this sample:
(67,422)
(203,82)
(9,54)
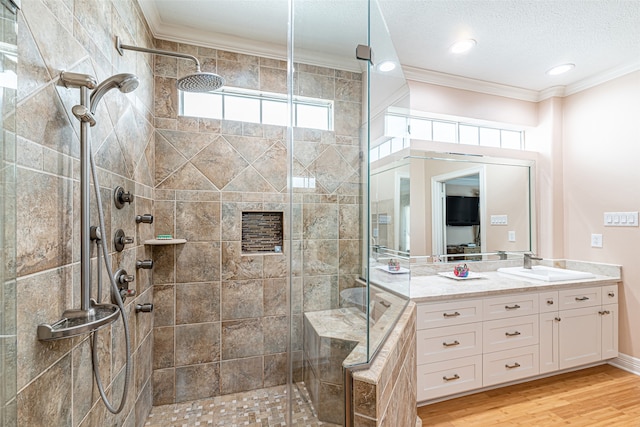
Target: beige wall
(457,102)
(601,136)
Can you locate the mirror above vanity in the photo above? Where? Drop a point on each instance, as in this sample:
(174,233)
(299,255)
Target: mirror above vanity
(462,207)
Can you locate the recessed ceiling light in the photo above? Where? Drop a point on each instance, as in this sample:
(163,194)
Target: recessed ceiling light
(387,66)
(560,69)
(462,46)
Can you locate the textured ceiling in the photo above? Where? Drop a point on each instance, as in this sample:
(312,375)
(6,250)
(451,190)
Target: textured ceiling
(517,40)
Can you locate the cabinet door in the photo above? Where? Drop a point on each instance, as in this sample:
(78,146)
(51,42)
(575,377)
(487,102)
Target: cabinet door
(580,336)
(609,320)
(549,342)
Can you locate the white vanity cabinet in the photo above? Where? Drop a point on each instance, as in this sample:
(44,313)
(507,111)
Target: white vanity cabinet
(468,344)
(449,348)
(583,329)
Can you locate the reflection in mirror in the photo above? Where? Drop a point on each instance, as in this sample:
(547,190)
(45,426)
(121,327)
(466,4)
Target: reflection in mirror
(390,210)
(468,207)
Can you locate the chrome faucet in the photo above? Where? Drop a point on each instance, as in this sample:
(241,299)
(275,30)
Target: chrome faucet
(527,260)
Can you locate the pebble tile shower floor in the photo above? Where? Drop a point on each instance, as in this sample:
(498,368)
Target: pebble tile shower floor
(258,408)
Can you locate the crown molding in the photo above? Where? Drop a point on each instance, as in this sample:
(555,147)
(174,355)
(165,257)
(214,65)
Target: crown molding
(465,83)
(601,78)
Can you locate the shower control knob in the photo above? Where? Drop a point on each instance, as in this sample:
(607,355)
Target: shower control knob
(124,293)
(123,279)
(146,218)
(120,240)
(144,264)
(126,278)
(120,197)
(145,308)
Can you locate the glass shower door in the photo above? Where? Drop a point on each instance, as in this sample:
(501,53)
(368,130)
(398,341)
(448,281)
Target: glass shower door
(337,289)
(8,92)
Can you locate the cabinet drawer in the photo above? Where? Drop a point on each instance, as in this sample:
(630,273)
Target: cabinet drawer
(548,301)
(449,377)
(610,294)
(510,306)
(581,297)
(510,365)
(504,334)
(449,313)
(450,342)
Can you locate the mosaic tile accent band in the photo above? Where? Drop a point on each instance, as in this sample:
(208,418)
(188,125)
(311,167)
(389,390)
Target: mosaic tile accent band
(261,232)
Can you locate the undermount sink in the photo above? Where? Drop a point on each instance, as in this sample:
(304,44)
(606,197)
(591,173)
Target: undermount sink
(548,274)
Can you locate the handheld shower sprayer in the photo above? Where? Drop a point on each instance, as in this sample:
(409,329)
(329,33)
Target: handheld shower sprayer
(125,82)
(198,82)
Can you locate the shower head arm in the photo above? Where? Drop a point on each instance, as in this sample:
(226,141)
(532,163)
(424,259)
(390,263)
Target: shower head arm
(121,47)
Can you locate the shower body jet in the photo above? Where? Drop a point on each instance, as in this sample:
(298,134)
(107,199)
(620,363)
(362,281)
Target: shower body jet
(198,82)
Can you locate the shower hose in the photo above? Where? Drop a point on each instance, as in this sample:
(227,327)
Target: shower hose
(116,292)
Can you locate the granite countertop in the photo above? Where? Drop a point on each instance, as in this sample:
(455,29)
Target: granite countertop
(439,288)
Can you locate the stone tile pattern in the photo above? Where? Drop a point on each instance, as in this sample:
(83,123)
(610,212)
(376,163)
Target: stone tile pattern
(261,231)
(385,394)
(222,320)
(258,408)
(54,380)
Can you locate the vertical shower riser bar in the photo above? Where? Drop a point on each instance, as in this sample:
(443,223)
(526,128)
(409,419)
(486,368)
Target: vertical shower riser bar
(85,225)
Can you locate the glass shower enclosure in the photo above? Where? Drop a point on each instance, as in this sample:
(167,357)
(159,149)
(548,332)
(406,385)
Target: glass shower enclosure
(344,300)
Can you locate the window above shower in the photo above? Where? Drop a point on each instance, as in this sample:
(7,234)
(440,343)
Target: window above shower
(257,107)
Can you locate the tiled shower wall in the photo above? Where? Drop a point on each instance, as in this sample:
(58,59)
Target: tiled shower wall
(55,384)
(221,318)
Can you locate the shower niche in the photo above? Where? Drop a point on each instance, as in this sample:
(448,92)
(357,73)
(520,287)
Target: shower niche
(262,232)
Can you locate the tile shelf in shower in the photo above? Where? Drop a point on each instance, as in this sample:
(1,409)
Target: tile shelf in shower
(162,242)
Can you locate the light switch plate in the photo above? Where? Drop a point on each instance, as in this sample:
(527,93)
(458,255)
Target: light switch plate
(512,236)
(621,219)
(499,220)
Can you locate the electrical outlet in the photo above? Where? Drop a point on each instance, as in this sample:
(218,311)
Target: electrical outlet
(596,240)
(512,236)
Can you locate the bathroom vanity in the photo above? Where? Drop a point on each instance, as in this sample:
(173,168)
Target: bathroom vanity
(500,328)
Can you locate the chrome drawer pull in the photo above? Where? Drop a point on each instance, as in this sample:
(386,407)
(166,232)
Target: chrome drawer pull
(453,378)
(515,365)
(512,334)
(602,313)
(451,344)
(611,294)
(582,298)
(511,307)
(455,314)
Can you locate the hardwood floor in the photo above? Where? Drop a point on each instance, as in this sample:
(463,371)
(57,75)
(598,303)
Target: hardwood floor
(598,396)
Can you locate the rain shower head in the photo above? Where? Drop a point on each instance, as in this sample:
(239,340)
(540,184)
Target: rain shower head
(125,82)
(198,82)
